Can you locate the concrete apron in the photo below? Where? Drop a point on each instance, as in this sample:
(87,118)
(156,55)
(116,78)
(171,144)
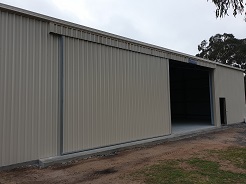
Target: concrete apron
(45,162)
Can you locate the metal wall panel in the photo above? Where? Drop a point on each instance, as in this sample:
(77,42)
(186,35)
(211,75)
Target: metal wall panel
(123,43)
(116,89)
(112,96)
(28,89)
(229,84)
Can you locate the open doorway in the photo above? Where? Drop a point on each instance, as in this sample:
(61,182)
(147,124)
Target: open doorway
(223,117)
(190,97)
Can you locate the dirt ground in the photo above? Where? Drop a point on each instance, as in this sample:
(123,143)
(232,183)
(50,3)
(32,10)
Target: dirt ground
(116,168)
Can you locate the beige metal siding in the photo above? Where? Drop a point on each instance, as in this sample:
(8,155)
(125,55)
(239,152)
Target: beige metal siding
(229,84)
(123,43)
(112,96)
(28,90)
(116,89)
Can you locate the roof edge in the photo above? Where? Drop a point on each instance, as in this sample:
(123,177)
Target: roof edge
(35,15)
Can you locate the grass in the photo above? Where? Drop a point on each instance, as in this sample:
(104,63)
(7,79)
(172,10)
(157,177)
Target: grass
(235,155)
(196,170)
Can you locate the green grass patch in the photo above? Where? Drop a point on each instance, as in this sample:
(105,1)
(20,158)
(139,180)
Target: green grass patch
(196,171)
(166,172)
(236,155)
(213,174)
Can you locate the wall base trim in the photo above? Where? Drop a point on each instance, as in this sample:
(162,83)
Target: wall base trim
(116,148)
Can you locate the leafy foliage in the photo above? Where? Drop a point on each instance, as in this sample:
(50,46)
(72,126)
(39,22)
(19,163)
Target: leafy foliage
(222,7)
(224,48)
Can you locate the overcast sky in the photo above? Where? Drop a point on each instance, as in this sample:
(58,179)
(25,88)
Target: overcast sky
(176,25)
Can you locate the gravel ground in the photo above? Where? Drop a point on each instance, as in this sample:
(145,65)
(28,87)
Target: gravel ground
(116,167)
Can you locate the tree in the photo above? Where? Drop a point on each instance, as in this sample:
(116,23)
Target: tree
(222,7)
(224,48)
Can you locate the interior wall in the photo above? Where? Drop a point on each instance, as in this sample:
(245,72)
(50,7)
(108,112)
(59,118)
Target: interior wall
(190,96)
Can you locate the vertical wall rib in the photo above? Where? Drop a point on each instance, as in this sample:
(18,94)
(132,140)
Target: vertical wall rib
(112,96)
(28,89)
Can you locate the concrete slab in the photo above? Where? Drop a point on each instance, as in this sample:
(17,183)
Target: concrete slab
(187,126)
(141,143)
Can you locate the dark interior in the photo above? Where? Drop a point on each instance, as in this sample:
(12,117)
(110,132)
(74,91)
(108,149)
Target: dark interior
(190,92)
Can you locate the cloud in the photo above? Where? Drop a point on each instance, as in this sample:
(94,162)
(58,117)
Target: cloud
(177,25)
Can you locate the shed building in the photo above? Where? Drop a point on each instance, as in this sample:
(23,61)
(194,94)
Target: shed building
(66,88)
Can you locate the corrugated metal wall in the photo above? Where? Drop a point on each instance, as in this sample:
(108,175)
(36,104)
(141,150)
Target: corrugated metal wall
(96,36)
(28,89)
(115,89)
(112,96)
(229,84)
